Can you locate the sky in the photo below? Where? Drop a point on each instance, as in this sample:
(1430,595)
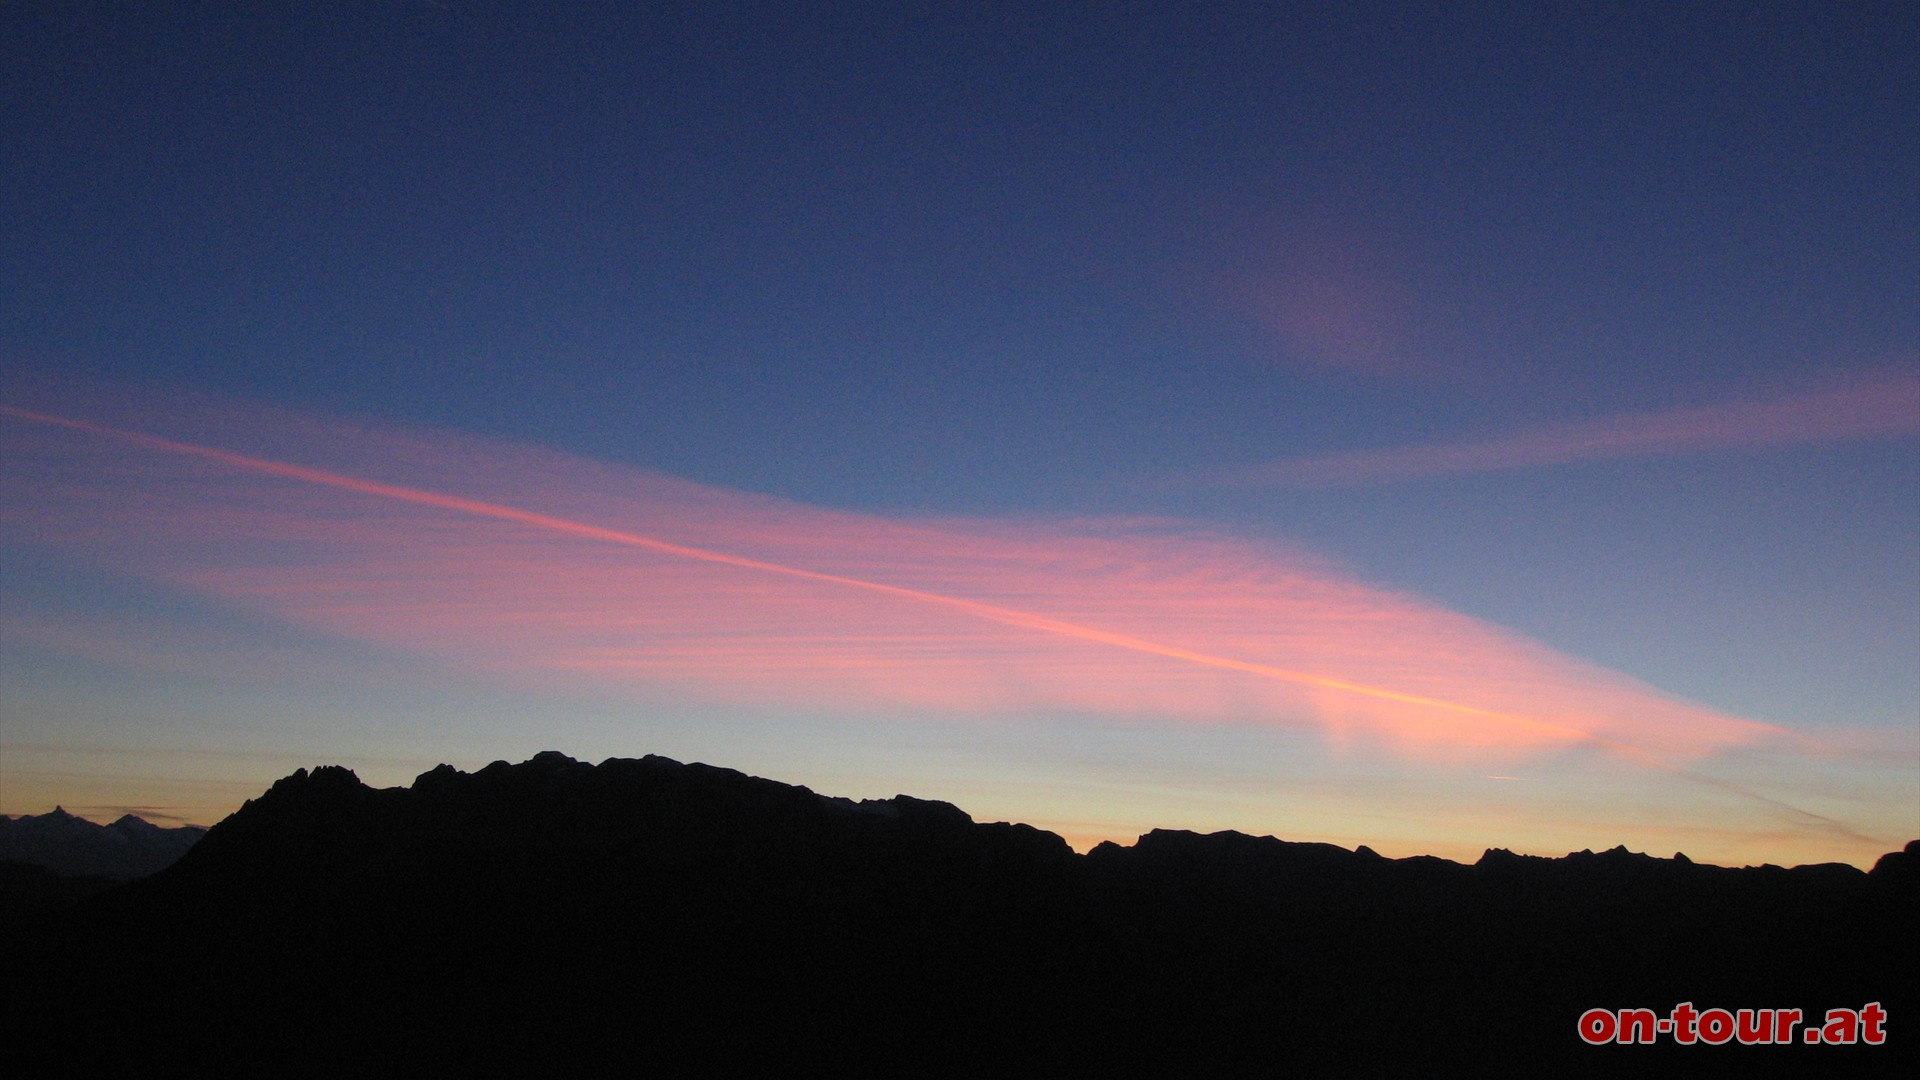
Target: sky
(1433,429)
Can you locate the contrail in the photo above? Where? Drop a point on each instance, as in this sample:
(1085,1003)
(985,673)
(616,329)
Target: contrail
(992,612)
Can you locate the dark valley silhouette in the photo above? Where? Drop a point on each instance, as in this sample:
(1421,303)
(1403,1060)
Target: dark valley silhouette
(648,916)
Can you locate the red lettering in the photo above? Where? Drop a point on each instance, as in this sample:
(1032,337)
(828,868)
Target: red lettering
(1842,1026)
(1597,1026)
(1637,1025)
(1716,1026)
(1683,1017)
(1872,1021)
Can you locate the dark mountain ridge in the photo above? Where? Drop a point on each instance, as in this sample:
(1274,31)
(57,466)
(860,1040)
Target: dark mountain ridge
(704,921)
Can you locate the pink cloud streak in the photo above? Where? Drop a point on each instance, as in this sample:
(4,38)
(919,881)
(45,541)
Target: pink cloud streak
(992,612)
(559,568)
(1880,405)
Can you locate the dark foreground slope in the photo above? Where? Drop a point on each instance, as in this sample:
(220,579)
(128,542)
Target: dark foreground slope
(652,917)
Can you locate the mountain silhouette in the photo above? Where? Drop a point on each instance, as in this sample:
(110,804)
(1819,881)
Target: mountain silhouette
(55,860)
(652,916)
(73,846)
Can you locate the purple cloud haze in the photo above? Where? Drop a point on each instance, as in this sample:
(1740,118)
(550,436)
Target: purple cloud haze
(1878,405)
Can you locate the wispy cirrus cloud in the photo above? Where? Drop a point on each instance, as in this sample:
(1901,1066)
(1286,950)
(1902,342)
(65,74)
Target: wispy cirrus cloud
(1874,405)
(518,559)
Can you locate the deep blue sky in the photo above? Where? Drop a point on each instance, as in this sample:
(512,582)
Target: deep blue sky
(917,257)
(1052,260)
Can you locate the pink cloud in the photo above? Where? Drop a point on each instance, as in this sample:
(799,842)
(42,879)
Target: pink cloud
(1876,405)
(523,560)
(1336,295)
